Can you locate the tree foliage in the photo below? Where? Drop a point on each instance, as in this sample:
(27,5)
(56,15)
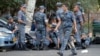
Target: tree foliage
(87,4)
(10,5)
(13,5)
(50,4)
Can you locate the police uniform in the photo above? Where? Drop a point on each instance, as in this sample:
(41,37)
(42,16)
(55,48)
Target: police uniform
(21,26)
(79,19)
(81,8)
(82,11)
(11,26)
(39,19)
(67,19)
(58,14)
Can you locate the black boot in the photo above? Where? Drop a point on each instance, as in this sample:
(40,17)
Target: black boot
(78,46)
(74,53)
(25,47)
(37,47)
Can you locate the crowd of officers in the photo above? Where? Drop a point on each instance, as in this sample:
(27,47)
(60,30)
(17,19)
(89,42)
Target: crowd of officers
(63,27)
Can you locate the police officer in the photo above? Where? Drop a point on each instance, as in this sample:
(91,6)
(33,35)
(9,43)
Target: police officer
(67,21)
(79,21)
(11,25)
(21,25)
(81,9)
(58,15)
(83,14)
(41,21)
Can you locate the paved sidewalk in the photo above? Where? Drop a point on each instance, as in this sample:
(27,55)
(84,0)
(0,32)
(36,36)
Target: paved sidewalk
(94,50)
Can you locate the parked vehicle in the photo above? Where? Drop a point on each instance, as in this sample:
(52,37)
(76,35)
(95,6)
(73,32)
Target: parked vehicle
(7,38)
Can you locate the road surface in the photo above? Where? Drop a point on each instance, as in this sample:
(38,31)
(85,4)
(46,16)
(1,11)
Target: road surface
(94,50)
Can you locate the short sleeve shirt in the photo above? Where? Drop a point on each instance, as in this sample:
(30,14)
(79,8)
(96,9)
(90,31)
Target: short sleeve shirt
(39,19)
(67,19)
(22,16)
(78,16)
(59,12)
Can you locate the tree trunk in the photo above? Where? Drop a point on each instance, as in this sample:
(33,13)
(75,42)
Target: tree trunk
(29,13)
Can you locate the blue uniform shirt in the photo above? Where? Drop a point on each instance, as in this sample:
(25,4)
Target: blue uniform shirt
(58,15)
(39,19)
(59,12)
(22,16)
(79,17)
(11,26)
(67,19)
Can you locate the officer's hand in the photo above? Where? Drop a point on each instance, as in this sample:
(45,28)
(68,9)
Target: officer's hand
(20,21)
(75,30)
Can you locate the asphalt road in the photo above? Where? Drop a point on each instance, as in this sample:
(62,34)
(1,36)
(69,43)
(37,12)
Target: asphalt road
(94,50)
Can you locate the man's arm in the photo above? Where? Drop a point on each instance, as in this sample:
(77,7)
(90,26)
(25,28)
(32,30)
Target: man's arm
(59,21)
(83,14)
(75,25)
(81,20)
(15,29)
(46,20)
(74,22)
(19,17)
(46,23)
(58,24)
